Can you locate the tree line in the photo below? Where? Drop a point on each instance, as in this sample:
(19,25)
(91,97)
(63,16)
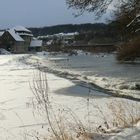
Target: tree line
(98,29)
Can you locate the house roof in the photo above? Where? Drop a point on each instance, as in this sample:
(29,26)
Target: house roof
(15,35)
(25,34)
(21,28)
(1,33)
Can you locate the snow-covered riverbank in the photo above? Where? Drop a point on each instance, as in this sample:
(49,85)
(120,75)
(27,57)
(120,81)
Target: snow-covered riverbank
(19,120)
(98,70)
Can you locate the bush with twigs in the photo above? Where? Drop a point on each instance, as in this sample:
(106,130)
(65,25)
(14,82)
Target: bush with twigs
(64,124)
(129,51)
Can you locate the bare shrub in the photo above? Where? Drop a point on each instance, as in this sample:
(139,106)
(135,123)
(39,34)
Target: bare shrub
(129,51)
(121,114)
(124,113)
(63,122)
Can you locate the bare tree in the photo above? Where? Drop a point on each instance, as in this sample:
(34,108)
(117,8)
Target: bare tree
(97,6)
(127,12)
(128,18)
(128,23)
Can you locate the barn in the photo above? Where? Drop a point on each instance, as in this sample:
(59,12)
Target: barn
(17,39)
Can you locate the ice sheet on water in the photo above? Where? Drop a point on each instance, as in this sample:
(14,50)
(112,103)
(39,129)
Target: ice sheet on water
(102,71)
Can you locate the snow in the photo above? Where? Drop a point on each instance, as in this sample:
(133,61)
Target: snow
(128,134)
(25,34)
(3,51)
(66,34)
(17,114)
(36,43)
(49,42)
(60,35)
(1,33)
(42,53)
(15,35)
(21,28)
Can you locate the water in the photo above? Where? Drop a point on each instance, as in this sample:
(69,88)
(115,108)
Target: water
(100,69)
(101,65)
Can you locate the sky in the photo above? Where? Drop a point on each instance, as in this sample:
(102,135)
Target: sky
(40,13)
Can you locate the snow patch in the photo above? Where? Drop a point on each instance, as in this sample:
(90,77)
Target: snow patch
(3,51)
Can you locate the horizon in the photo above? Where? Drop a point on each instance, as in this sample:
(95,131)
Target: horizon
(56,25)
(68,24)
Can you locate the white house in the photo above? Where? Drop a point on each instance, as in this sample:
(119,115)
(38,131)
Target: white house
(19,40)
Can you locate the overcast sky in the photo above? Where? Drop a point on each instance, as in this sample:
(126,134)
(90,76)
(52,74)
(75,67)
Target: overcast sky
(38,13)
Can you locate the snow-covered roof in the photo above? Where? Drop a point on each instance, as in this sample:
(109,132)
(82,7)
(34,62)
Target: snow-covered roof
(25,34)
(21,28)
(49,42)
(1,33)
(67,34)
(60,35)
(15,35)
(36,43)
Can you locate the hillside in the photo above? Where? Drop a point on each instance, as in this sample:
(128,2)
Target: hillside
(98,28)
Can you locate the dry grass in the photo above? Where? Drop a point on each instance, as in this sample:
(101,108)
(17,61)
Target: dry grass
(121,114)
(124,113)
(64,124)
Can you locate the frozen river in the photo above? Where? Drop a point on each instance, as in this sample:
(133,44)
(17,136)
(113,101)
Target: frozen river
(103,65)
(20,116)
(102,69)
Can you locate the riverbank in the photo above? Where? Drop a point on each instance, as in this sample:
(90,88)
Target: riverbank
(20,119)
(101,71)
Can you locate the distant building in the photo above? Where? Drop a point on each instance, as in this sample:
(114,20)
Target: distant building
(16,40)
(66,38)
(35,45)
